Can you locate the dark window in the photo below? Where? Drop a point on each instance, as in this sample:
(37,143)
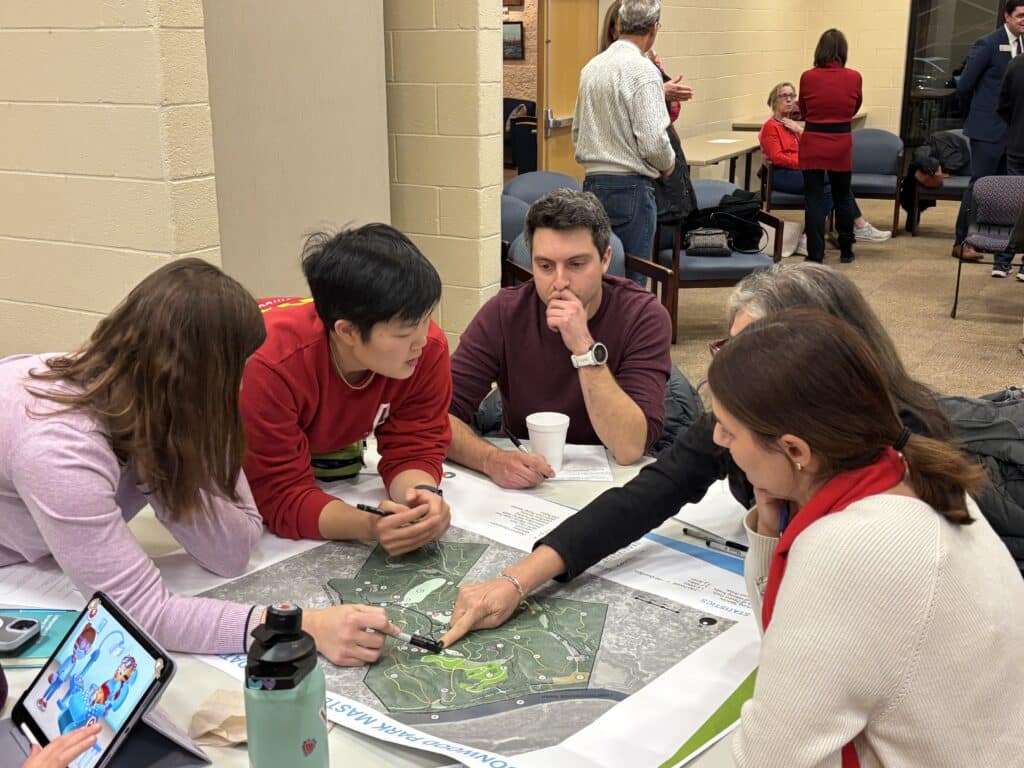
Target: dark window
(941,34)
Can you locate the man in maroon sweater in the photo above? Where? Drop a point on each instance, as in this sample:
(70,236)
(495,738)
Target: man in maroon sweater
(362,356)
(573,340)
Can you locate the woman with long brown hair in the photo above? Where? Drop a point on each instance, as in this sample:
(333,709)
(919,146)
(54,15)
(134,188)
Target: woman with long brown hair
(147,412)
(889,605)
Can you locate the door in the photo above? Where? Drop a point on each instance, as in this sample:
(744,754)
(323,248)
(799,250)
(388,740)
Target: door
(568,40)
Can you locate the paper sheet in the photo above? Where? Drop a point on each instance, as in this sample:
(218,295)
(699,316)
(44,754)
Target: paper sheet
(588,463)
(39,585)
(724,141)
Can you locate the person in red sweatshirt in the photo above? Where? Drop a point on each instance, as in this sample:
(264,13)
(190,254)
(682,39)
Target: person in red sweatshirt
(361,356)
(830,95)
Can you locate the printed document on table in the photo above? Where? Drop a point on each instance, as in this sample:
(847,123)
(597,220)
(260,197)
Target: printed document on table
(39,585)
(586,463)
(513,518)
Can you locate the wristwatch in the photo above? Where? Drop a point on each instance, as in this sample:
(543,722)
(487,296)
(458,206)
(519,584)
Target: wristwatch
(596,355)
(431,488)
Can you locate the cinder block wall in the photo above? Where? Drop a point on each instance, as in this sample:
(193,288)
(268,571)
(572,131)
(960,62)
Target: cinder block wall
(106,163)
(443,66)
(732,56)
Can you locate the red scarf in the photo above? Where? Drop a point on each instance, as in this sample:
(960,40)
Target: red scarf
(835,496)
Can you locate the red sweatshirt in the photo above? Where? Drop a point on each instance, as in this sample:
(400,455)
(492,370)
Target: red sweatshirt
(294,404)
(779,145)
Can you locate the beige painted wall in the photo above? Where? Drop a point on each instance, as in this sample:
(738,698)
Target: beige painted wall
(443,62)
(732,56)
(520,77)
(299,129)
(105,159)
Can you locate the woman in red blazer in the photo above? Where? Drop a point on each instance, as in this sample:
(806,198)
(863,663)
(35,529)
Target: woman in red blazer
(830,95)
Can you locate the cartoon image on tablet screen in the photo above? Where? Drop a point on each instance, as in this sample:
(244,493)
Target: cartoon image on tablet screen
(99,675)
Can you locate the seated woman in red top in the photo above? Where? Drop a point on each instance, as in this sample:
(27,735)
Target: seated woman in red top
(830,95)
(780,145)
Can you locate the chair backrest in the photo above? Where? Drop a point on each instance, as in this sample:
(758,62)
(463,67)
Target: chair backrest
(711,191)
(519,252)
(529,187)
(876,151)
(513,216)
(998,200)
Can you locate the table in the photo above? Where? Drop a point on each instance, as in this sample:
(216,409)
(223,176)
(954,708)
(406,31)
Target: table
(754,122)
(195,679)
(713,148)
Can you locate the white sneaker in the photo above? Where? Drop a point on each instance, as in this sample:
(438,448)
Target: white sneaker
(997,272)
(868,234)
(801,247)
(1020,276)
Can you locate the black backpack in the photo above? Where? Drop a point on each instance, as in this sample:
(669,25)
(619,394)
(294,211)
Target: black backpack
(674,193)
(736,214)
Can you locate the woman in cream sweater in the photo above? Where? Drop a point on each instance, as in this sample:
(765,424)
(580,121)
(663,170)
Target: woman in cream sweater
(892,613)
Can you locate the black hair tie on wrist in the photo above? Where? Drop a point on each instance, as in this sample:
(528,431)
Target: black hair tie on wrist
(901,441)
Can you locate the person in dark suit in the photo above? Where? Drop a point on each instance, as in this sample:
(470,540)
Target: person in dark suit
(978,87)
(830,95)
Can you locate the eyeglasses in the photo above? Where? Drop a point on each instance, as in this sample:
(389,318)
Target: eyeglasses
(714,347)
(787,96)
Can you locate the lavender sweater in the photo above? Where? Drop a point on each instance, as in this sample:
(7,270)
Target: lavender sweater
(64,493)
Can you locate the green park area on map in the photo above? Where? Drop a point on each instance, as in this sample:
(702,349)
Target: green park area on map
(547,648)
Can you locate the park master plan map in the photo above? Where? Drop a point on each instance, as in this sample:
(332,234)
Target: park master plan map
(564,659)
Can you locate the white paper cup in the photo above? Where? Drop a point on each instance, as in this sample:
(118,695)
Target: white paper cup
(547,435)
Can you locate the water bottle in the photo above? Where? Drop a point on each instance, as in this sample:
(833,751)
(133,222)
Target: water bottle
(285,694)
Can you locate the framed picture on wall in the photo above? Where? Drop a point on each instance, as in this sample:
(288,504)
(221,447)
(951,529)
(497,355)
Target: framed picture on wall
(512,40)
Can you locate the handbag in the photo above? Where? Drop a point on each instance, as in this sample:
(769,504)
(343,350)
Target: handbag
(707,241)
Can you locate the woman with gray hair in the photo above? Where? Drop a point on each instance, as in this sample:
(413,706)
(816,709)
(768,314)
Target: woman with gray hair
(684,472)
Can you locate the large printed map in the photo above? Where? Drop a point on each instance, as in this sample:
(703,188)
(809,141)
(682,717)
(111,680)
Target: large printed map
(552,669)
(544,652)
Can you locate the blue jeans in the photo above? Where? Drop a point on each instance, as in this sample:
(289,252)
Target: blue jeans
(791,181)
(632,210)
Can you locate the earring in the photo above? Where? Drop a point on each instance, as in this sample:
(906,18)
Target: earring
(798,465)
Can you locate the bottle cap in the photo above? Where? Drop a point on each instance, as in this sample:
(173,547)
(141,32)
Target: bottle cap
(285,618)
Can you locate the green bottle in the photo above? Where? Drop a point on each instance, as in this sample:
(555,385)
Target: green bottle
(285,694)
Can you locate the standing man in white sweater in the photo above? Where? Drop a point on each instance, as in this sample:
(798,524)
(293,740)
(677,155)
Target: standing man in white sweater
(620,128)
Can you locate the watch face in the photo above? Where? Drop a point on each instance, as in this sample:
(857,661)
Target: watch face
(600,352)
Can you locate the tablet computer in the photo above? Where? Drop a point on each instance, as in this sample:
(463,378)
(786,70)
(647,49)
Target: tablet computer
(106,670)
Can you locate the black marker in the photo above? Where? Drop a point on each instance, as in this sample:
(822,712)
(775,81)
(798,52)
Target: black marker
(426,643)
(373,510)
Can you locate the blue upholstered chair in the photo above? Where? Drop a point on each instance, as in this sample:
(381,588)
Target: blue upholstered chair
(513,216)
(995,205)
(711,271)
(772,199)
(518,268)
(878,168)
(528,187)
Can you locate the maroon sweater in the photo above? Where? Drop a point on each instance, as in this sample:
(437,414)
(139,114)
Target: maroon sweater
(509,342)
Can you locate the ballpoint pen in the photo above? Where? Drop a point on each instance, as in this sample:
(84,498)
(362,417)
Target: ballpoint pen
(708,536)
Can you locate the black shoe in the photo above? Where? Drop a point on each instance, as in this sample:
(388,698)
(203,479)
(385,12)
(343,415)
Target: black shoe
(846,258)
(816,261)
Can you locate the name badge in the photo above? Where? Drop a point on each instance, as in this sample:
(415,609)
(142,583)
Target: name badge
(1006,47)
